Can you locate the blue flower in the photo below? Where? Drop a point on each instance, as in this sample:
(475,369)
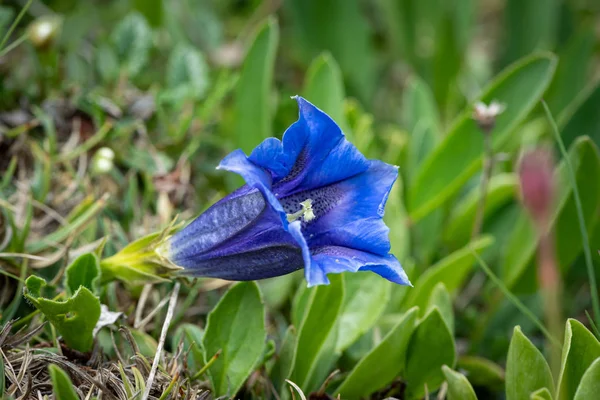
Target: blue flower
(311,200)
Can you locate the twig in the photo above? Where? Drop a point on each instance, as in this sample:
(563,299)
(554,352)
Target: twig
(584,235)
(161,342)
(141,304)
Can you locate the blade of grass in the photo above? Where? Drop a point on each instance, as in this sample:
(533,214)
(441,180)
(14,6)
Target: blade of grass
(513,299)
(15,23)
(584,234)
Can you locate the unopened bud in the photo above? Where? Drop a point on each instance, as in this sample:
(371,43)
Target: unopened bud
(536,176)
(44,30)
(102,162)
(485,115)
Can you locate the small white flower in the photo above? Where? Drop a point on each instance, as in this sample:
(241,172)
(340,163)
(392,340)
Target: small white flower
(485,115)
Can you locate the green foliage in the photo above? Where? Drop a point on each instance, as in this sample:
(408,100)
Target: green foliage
(526,368)
(590,382)
(191,337)
(236,328)
(62,386)
(459,387)
(84,271)
(132,39)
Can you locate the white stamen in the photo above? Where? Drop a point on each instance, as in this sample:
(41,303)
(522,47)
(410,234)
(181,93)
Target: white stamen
(306,213)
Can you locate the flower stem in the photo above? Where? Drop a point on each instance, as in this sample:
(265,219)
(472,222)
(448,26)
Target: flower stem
(488,162)
(584,234)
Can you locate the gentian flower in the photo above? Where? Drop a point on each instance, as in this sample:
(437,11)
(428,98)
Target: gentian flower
(311,201)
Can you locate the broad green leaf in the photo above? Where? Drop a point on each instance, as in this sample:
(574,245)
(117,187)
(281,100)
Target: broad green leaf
(285,359)
(459,387)
(589,387)
(572,72)
(236,327)
(459,155)
(132,38)
(191,337)
(187,74)
(451,271)
(430,347)
(529,26)
(276,291)
(62,387)
(526,368)
(320,318)
(366,298)
(323,26)
(502,188)
(253,109)
(541,394)
(84,271)
(74,318)
(582,116)
(383,363)
(440,298)
(482,372)
(521,246)
(324,87)
(580,349)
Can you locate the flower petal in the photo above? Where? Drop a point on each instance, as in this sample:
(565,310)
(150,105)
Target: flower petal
(336,259)
(312,154)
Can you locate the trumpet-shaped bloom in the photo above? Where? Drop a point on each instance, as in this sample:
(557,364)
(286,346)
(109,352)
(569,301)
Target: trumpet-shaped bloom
(311,201)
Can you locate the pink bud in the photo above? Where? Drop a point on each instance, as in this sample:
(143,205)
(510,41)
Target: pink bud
(536,175)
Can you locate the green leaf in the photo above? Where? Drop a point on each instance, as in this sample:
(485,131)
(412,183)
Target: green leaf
(451,271)
(323,26)
(191,336)
(482,372)
(132,38)
(253,103)
(324,87)
(580,349)
(502,188)
(107,63)
(430,347)
(521,246)
(366,298)
(440,298)
(187,74)
(541,394)
(276,291)
(74,318)
(84,271)
(320,318)
(459,156)
(526,368)
(590,382)
(285,360)
(236,326)
(62,387)
(459,387)
(383,363)
(582,117)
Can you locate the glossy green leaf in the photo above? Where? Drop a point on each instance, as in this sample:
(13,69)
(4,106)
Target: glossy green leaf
(191,337)
(383,363)
(62,387)
(459,156)
(84,271)
(580,349)
(74,318)
(589,387)
(430,347)
(482,372)
(366,298)
(541,394)
(323,308)
(132,39)
(236,327)
(324,87)
(440,298)
(521,246)
(459,387)
(253,110)
(502,189)
(526,368)
(451,271)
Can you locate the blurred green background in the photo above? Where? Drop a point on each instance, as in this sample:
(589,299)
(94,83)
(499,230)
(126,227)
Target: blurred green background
(140,99)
